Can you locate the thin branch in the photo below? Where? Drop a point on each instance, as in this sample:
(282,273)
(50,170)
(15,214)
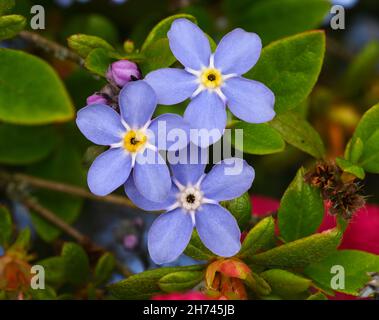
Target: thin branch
(82,239)
(64,188)
(47,45)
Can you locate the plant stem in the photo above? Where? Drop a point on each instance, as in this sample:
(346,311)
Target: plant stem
(64,188)
(47,45)
(82,239)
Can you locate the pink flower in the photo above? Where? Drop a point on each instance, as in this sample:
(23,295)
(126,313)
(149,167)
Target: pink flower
(123,71)
(96,99)
(190,295)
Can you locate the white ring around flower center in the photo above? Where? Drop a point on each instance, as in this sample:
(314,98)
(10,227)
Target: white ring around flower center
(190,198)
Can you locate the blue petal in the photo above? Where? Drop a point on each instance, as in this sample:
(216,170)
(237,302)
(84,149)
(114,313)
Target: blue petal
(140,201)
(109,171)
(249,100)
(228,179)
(189,44)
(152,176)
(218,230)
(171,85)
(137,102)
(238,52)
(169,235)
(100,124)
(170,132)
(189,164)
(207,113)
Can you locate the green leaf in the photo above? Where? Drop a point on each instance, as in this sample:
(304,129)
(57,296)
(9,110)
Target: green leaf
(76,263)
(257,138)
(38,97)
(197,250)
(301,209)
(5,226)
(104,268)
(21,145)
(286,284)
(260,237)
(349,167)
(145,284)
(98,61)
(318,296)
(6,6)
(83,44)
(361,70)
(48,293)
(11,25)
(55,270)
(63,166)
(156,56)
(296,131)
(300,253)
(240,208)
(22,242)
(290,68)
(368,132)
(356,265)
(270,18)
(258,285)
(161,29)
(354,150)
(180,281)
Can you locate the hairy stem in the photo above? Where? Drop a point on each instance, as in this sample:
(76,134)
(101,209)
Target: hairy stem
(64,188)
(47,45)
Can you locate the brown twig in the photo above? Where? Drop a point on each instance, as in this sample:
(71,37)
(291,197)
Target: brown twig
(64,188)
(82,239)
(58,50)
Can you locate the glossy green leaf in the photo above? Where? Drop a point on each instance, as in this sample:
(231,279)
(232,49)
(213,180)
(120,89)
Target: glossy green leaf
(76,263)
(197,250)
(286,284)
(356,265)
(180,281)
(368,132)
(240,208)
(290,68)
(63,166)
(98,61)
(349,167)
(104,268)
(5,226)
(297,131)
(156,56)
(145,284)
(318,296)
(161,29)
(38,97)
(301,209)
(24,145)
(300,253)
(257,138)
(261,237)
(11,25)
(48,293)
(83,44)
(275,19)
(6,6)
(55,270)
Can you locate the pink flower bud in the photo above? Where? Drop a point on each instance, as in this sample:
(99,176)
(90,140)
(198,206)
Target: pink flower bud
(123,71)
(96,99)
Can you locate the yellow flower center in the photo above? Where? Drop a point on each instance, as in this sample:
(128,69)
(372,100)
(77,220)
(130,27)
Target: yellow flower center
(134,140)
(211,78)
